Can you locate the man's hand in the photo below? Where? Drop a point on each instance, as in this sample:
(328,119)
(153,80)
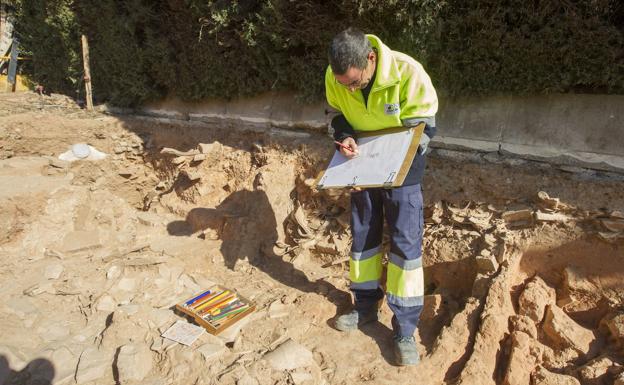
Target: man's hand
(349,148)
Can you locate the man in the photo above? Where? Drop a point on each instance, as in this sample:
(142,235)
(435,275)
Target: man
(372,88)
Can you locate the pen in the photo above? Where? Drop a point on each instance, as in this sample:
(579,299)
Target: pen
(345,147)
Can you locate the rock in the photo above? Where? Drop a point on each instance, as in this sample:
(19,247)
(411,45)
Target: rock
(551,217)
(126,284)
(53,271)
(432,307)
(106,303)
(53,332)
(21,307)
(564,332)
(211,351)
(113,272)
(58,163)
(619,379)
(277,310)
(577,283)
(518,218)
(523,323)
(81,240)
(147,218)
(206,148)
(544,377)
(486,263)
(521,362)
(65,363)
(289,355)
(93,365)
(189,283)
(614,324)
(535,297)
(595,371)
(199,157)
(134,362)
(39,288)
(481,285)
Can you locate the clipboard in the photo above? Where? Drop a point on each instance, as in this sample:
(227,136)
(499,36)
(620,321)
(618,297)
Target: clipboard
(384,159)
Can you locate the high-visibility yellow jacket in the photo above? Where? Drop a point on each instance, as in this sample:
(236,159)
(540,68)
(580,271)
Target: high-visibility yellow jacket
(402,91)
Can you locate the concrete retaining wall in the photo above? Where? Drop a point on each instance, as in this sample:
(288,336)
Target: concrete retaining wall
(580,130)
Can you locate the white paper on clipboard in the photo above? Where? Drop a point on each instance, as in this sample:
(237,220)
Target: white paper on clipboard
(379,162)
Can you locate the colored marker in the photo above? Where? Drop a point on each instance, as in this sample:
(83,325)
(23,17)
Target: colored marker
(212,301)
(346,147)
(223,301)
(202,301)
(202,295)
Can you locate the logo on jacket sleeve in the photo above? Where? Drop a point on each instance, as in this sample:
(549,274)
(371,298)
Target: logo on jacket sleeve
(392,108)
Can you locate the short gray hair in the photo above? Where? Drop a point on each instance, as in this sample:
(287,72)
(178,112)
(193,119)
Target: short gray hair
(349,48)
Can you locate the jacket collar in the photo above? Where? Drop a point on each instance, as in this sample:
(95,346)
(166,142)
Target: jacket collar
(387,73)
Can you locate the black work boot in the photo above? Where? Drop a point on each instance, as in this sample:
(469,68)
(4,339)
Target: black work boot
(354,319)
(405,351)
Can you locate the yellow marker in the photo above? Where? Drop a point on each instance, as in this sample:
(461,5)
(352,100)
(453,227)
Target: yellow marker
(212,301)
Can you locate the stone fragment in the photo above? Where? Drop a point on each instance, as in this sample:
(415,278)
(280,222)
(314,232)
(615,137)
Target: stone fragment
(523,323)
(535,297)
(551,217)
(126,284)
(58,163)
(206,148)
(93,365)
(211,351)
(486,263)
(189,283)
(81,240)
(545,377)
(518,218)
(199,157)
(593,372)
(53,271)
(619,379)
(564,332)
(53,332)
(39,288)
(613,225)
(65,363)
(289,355)
(113,272)
(192,175)
(134,362)
(278,310)
(614,324)
(106,303)
(521,362)
(21,307)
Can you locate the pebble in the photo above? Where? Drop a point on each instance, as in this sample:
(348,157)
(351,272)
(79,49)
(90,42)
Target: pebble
(53,271)
(211,351)
(127,284)
(113,272)
(289,355)
(134,362)
(93,365)
(106,303)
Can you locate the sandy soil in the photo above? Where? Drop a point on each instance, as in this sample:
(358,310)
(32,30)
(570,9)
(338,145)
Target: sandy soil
(522,288)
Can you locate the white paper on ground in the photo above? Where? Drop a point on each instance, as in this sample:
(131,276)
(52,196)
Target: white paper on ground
(183,332)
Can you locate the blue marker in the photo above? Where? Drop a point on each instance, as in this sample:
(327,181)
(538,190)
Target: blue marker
(190,301)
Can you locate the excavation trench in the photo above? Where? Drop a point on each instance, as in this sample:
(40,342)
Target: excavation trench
(523,263)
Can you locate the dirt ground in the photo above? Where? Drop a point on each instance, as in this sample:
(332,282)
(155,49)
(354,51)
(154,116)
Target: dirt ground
(524,261)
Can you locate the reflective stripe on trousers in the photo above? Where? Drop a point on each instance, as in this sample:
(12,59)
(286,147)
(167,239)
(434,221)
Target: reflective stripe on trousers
(402,209)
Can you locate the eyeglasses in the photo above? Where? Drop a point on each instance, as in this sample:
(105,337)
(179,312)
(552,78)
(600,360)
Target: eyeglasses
(354,84)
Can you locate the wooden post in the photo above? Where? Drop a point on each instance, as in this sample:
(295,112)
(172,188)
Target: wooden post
(87,73)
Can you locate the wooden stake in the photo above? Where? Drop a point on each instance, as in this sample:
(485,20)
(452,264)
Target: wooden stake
(87,72)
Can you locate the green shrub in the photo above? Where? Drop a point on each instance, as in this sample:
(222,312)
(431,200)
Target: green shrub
(142,50)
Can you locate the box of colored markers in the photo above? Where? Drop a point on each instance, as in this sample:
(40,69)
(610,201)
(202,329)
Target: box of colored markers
(216,309)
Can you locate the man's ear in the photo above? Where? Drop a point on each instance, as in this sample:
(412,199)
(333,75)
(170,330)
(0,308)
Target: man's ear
(372,56)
